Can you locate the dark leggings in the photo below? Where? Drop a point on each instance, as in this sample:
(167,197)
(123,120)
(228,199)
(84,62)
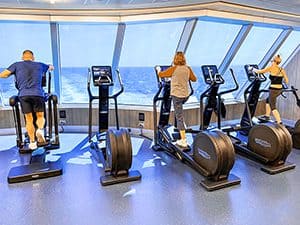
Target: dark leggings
(273,94)
(178,102)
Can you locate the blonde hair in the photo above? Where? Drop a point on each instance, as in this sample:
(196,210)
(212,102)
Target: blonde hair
(179,59)
(277,59)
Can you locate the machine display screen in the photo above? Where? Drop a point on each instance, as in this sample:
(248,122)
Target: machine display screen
(211,74)
(101,74)
(249,71)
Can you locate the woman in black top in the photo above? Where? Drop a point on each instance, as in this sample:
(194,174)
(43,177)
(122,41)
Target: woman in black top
(277,75)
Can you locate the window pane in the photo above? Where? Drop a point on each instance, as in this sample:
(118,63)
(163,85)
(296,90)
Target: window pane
(146,45)
(208,46)
(290,44)
(15,37)
(252,51)
(82,46)
(210,43)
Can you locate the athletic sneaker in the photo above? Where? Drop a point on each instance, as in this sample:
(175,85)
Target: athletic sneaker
(182,143)
(32,145)
(264,117)
(40,135)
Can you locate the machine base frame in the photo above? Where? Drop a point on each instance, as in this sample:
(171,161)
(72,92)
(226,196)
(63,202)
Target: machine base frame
(132,175)
(216,185)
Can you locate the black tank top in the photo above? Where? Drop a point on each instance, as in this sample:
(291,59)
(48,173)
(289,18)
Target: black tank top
(275,79)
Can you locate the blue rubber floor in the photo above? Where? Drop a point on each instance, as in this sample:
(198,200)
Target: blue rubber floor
(168,194)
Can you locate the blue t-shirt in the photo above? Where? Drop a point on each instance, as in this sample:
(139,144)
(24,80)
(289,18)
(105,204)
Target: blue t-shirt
(28,76)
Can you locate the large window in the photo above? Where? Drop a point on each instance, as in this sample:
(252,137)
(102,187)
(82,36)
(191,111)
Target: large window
(252,51)
(82,46)
(208,46)
(15,37)
(146,45)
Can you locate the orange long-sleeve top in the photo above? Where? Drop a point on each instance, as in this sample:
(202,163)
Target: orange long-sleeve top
(180,76)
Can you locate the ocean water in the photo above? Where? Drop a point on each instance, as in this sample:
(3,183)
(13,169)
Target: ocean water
(7,89)
(140,85)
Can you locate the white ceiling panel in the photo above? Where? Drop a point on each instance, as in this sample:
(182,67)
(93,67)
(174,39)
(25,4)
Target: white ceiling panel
(286,6)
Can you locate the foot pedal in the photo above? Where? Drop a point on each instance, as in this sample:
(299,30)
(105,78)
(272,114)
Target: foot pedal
(25,149)
(38,156)
(185,149)
(264,119)
(34,171)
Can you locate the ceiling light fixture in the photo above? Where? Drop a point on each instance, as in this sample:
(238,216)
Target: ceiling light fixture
(52,1)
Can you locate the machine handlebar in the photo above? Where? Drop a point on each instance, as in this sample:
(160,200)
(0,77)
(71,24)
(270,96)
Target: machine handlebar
(236,85)
(161,81)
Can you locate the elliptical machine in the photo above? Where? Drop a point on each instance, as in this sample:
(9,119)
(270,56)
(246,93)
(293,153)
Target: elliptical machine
(52,141)
(116,153)
(212,153)
(38,167)
(212,95)
(293,130)
(269,144)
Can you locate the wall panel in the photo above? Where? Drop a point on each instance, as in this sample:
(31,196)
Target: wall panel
(128,117)
(287,106)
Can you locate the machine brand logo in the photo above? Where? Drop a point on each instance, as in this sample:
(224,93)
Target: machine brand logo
(262,142)
(203,153)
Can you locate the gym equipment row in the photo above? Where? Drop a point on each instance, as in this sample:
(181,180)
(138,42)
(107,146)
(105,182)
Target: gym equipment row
(269,144)
(212,152)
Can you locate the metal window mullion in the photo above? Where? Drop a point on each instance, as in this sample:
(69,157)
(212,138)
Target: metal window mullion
(234,48)
(186,34)
(118,47)
(275,47)
(238,41)
(55,46)
(1,98)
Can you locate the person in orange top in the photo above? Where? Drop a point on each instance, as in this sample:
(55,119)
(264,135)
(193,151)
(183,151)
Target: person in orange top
(277,75)
(180,75)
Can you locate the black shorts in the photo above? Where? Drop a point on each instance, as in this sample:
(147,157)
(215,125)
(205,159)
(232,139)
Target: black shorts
(31,104)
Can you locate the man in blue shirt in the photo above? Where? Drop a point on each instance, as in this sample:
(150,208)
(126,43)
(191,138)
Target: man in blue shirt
(28,77)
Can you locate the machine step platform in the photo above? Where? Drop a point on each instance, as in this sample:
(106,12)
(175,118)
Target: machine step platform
(34,171)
